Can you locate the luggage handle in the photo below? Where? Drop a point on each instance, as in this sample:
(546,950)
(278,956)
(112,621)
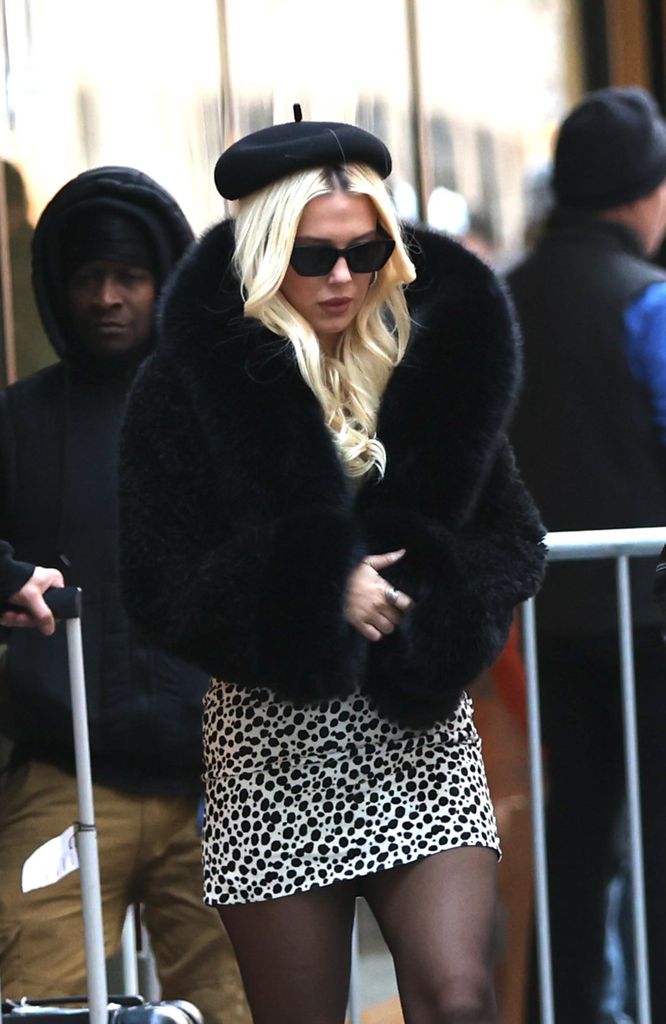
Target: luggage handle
(64,602)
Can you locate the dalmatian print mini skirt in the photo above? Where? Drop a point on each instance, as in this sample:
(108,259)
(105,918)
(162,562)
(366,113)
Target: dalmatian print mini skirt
(298,797)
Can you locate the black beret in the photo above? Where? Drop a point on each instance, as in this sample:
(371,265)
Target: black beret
(610,150)
(273,153)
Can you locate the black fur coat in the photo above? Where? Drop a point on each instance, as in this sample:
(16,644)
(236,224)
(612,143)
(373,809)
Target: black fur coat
(240,527)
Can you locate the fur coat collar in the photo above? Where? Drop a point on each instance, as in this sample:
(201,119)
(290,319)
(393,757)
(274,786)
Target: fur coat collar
(453,392)
(273,526)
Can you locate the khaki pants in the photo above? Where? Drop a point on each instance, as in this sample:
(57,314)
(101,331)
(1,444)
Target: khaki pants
(150,853)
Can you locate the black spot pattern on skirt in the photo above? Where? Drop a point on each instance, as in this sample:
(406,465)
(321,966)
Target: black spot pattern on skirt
(302,797)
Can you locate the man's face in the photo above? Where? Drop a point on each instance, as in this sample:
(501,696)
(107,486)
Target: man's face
(655,226)
(111,307)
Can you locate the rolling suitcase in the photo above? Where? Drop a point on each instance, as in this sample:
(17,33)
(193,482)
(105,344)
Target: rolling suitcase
(119,1010)
(65,603)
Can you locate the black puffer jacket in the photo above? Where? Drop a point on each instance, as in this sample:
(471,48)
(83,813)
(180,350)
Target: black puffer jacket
(240,527)
(58,483)
(584,428)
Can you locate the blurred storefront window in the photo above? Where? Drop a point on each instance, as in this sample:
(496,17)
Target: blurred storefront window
(496,77)
(465,94)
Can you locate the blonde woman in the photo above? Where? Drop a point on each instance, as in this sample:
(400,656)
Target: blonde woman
(320,508)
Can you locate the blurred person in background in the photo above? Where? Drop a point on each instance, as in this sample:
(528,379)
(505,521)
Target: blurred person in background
(31,344)
(590,435)
(102,250)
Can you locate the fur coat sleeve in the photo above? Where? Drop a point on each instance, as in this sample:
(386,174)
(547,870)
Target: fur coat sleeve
(240,528)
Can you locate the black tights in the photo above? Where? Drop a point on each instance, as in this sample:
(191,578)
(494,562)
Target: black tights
(437,917)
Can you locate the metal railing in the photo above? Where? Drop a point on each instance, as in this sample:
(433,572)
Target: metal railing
(619,545)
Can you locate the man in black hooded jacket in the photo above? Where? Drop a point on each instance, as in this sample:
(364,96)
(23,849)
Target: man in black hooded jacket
(101,251)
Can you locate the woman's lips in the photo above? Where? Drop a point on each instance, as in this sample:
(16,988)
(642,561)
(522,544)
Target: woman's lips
(336,305)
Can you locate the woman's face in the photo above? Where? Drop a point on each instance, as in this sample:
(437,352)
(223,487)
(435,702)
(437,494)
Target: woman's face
(330,303)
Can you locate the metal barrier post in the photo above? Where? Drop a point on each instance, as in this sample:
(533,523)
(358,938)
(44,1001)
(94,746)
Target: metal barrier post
(620,545)
(633,788)
(538,816)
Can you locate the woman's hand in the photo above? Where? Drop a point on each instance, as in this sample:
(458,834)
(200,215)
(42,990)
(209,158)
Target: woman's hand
(373,606)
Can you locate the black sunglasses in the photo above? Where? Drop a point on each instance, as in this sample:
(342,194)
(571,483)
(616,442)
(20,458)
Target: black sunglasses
(362,258)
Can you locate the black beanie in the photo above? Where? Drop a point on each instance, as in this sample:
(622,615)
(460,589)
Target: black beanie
(610,149)
(91,233)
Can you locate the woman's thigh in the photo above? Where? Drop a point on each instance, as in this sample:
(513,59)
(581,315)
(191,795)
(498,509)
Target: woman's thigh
(294,954)
(438,917)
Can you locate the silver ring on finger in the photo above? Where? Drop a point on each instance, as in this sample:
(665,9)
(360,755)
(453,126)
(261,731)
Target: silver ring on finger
(392,595)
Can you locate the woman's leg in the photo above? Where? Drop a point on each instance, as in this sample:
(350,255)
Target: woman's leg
(438,919)
(294,954)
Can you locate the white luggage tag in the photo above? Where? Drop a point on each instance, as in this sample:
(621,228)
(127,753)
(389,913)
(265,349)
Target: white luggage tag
(51,861)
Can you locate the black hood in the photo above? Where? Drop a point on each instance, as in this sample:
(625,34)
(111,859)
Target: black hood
(123,189)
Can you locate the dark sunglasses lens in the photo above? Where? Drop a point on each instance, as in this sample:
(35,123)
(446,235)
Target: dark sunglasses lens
(318,260)
(370,256)
(313,260)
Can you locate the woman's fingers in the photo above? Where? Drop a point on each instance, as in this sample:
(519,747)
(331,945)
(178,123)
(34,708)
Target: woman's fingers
(398,599)
(381,623)
(379,562)
(373,605)
(368,631)
(390,612)
(378,625)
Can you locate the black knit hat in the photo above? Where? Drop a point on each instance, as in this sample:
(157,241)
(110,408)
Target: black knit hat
(611,149)
(273,153)
(98,233)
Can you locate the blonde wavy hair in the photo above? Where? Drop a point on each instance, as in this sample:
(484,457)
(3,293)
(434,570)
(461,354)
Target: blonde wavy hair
(349,383)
